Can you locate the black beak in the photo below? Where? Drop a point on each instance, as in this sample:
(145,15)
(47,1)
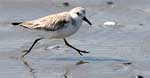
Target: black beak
(86,20)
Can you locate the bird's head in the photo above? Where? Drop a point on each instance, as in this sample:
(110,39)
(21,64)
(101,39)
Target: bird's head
(80,14)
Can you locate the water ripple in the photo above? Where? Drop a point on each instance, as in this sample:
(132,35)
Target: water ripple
(85,59)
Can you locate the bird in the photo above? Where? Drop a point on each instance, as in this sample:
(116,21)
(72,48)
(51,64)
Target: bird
(59,25)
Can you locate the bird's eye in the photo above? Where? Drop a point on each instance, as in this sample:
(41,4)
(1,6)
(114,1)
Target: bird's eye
(78,13)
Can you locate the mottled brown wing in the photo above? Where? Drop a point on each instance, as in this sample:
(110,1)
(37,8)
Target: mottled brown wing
(50,23)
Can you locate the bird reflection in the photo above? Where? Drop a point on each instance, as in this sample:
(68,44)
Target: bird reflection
(27,64)
(71,67)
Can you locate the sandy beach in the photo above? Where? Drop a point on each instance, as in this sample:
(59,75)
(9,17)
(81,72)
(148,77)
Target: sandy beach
(110,46)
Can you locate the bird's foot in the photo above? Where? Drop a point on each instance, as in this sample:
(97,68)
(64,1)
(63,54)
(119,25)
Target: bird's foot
(82,51)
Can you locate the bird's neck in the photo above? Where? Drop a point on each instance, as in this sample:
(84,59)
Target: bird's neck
(76,20)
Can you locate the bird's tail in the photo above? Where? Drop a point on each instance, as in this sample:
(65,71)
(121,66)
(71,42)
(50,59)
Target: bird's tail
(16,23)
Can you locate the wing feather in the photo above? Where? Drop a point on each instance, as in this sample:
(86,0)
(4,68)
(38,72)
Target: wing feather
(51,22)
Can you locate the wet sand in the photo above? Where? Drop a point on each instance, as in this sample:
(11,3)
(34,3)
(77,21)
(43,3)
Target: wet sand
(109,46)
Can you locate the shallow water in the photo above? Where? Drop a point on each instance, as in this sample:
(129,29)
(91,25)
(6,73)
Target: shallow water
(109,46)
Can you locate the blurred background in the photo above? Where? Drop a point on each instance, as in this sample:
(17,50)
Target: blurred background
(120,34)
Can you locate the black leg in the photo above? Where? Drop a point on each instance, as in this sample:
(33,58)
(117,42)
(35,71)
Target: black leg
(28,51)
(78,50)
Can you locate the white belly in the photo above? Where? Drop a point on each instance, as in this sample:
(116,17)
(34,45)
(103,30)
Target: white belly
(66,32)
(61,33)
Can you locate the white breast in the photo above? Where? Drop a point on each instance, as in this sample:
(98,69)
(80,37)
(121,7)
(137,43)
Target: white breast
(67,31)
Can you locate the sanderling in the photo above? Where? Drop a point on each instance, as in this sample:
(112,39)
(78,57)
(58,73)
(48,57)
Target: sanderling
(60,25)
